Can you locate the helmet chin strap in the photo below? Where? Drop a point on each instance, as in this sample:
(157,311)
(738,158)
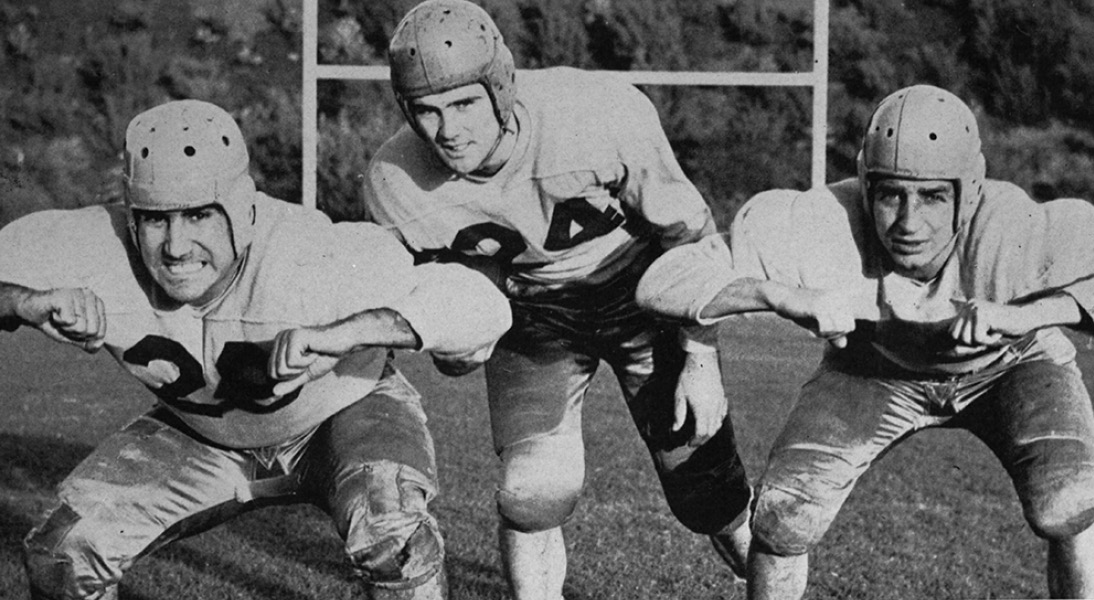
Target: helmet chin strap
(478,172)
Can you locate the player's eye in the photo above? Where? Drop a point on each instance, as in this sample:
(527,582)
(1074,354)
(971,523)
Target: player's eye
(887,197)
(199,214)
(151,218)
(936,197)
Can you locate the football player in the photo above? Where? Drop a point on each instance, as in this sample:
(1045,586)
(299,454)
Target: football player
(561,184)
(942,294)
(263,331)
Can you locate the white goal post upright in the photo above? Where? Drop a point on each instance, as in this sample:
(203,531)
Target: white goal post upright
(816,79)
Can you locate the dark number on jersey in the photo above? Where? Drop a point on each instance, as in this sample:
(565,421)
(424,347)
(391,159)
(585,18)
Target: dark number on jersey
(244,384)
(592,222)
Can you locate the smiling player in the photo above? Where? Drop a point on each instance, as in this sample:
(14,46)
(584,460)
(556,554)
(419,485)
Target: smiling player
(263,331)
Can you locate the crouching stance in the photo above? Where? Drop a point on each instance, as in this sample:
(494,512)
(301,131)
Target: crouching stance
(264,332)
(941,294)
(563,185)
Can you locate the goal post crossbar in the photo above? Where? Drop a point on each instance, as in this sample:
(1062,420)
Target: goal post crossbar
(817,79)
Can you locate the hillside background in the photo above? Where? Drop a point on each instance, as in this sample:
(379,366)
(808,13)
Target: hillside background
(74,73)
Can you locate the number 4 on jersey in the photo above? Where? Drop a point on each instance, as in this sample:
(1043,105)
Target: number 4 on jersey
(576,221)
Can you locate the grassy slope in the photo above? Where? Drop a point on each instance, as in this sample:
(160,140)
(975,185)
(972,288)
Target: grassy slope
(936,518)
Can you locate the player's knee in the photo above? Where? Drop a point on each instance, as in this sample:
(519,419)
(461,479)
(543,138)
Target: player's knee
(707,499)
(397,551)
(536,509)
(785,524)
(62,560)
(1061,514)
(541,485)
(392,541)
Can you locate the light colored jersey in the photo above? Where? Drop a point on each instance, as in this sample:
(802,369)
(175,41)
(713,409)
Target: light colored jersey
(591,183)
(209,365)
(1014,249)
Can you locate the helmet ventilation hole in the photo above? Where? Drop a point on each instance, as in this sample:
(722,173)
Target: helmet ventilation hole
(144,152)
(890,132)
(933,136)
(226,141)
(448,43)
(189,151)
(413,51)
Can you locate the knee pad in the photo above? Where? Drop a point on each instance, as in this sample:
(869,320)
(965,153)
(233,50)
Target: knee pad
(531,510)
(392,541)
(1061,514)
(541,485)
(784,524)
(60,562)
(709,490)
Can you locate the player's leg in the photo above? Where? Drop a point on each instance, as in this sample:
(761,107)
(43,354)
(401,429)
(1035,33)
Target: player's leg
(841,423)
(536,386)
(375,463)
(1039,422)
(143,487)
(706,486)
(1071,566)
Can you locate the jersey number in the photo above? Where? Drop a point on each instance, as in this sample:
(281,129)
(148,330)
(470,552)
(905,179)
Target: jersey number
(578,211)
(244,384)
(591,223)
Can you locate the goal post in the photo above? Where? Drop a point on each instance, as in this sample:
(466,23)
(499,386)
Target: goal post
(817,79)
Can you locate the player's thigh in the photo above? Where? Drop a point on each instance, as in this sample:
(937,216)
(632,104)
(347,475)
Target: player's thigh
(1039,421)
(839,426)
(535,387)
(142,487)
(388,424)
(381,441)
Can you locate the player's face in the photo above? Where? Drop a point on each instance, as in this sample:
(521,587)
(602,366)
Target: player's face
(189,252)
(459,125)
(915,223)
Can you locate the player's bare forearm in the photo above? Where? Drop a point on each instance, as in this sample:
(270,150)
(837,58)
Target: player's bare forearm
(12,297)
(376,327)
(69,315)
(308,353)
(744,295)
(982,323)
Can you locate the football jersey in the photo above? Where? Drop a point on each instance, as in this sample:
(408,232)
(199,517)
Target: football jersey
(1013,250)
(209,365)
(591,184)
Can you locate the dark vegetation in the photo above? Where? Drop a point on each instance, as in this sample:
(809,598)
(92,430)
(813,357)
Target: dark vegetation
(74,73)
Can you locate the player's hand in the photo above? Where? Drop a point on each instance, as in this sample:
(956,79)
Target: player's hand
(982,323)
(299,356)
(68,315)
(827,314)
(699,390)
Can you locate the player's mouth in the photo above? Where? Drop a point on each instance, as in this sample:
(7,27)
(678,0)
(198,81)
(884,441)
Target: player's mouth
(183,270)
(907,246)
(455,149)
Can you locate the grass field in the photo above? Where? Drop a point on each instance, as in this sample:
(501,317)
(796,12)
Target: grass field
(936,518)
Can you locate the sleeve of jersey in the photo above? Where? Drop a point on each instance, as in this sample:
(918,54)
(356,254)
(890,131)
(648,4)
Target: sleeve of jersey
(795,238)
(656,186)
(25,258)
(454,310)
(1069,260)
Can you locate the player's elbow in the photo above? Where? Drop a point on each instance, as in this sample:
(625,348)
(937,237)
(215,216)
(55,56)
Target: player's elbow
(455,364)
(662,290)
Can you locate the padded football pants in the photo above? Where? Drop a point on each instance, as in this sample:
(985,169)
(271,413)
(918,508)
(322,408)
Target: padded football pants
(536,381)
(370,467)
(1035,416)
